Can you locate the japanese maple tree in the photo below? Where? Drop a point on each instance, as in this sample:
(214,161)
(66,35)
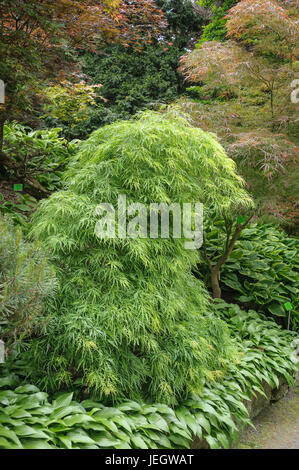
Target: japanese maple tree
(261,50)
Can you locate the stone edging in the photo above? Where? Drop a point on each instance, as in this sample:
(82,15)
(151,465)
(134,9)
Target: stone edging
(254,406)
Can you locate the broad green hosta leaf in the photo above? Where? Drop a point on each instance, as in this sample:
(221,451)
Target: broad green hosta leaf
(158,421)
(138,442)
(36,444)
(223,439)
(17,412)
(79,436)
(5,444)
(7,433)
(63,400)
(213,442)
(24,430)
(179,441)
(129,406)
(263,267)
(8,397)
(203,422)
(277,309)
(62,411)
(106,442)
(123,422)
(8,381)
(28,388)
(77,419)
(109,424)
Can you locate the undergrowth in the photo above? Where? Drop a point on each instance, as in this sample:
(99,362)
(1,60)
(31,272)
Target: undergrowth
(31,419)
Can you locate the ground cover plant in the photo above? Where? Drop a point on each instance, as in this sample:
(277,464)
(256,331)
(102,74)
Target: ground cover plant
(31,419)
(261,272)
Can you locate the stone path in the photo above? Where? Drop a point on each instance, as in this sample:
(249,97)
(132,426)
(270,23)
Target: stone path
(277,427)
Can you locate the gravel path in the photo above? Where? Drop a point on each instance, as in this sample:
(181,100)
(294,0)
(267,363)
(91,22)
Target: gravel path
(277,427)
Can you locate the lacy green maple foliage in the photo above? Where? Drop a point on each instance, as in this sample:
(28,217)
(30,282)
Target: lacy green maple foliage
(130,319)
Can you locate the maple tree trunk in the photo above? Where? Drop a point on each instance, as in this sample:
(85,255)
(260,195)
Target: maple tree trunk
(215,284)
(215,270)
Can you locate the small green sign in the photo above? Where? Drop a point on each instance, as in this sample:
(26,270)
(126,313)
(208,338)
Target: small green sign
(241,219)
(18,187)
(288,306)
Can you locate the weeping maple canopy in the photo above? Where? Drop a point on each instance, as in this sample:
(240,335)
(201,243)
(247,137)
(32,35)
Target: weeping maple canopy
(130,319)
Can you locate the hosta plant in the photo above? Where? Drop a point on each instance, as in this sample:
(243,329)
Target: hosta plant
(31,419)
(262,270)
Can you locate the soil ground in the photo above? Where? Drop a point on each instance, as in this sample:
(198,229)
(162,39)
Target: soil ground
(277,427)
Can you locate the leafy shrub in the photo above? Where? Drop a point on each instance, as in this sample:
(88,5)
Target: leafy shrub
(185,19)
(18,210)
(262,271)
(30,419)
(130,319)
(26,280)
(40,155)
(69,105)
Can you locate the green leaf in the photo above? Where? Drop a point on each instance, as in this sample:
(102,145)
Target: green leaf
(77,419)
(138,442)
(203,422)
(5,432)
(107,442)
(109,424)
(36,444)
(213,443)
(223,439)
(130,406)
(79,437)
(158,421)
(180,441)
(122,421)
(64,411)
(28,388)
(277,310)
(63,400)
(24,430)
